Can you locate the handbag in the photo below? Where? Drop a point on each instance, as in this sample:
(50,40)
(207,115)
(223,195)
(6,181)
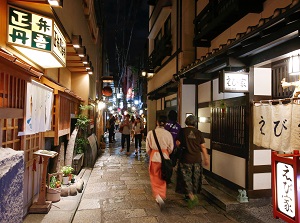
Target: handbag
(166,164)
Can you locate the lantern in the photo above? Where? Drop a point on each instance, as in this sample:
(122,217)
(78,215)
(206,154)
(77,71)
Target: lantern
(107,91)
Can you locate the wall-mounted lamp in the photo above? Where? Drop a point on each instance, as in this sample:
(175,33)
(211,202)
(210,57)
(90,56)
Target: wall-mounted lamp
(144,73)
(56,3)
(85,59)
(107,79)
(294,65)
(81,51)
(76,41)
(91,71)
(148,73)
(88,66)
(101,105)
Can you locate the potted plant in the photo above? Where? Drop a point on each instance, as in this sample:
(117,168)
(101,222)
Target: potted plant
(54,188)
(66,171)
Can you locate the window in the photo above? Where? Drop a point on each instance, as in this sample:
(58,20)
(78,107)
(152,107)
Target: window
(229,125)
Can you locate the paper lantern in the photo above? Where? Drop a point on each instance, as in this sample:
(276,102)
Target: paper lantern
(107,91)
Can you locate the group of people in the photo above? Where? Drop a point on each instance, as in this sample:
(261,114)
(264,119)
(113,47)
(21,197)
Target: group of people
(131,129)
(170,136)
(189,165)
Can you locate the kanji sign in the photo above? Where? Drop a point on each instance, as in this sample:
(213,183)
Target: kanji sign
(234,82)
(28,31)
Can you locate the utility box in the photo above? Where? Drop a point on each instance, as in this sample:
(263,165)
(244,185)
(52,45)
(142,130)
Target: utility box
(285,181)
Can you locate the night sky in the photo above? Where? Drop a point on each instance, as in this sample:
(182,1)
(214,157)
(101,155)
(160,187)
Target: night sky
(125,31)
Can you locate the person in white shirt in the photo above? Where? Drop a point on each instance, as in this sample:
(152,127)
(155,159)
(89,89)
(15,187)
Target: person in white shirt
(126,129)
(165,139)
(138,128)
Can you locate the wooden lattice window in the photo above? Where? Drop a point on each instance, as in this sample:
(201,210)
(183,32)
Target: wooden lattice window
(9,131)
(279,72)
(12,91)
(228,125)
(32,143)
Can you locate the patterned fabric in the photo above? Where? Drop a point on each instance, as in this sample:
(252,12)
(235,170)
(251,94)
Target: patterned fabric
(189,178)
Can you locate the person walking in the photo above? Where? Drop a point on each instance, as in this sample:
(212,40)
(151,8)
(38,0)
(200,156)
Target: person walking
(173,127)
(138,128)
(189,171)
(126,130)
(158,185)
(111,129)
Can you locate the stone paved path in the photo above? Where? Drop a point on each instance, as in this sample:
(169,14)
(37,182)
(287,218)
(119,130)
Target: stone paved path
(119,190)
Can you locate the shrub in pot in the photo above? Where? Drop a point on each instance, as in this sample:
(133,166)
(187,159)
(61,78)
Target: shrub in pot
(67,173)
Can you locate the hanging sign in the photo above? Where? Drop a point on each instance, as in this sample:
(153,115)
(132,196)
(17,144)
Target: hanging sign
(285,188)
(234,82)
(37,37)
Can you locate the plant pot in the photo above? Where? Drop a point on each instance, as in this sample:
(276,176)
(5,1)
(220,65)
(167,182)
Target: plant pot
(53,194)
(65,180)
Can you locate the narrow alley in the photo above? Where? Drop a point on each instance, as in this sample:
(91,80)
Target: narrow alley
(118,189)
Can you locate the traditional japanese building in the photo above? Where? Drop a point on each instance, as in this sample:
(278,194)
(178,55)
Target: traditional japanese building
(50,63)
(216,59)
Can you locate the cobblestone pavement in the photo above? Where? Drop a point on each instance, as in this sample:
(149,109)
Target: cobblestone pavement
(118,189)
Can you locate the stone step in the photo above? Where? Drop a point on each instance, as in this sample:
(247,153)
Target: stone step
(220,198)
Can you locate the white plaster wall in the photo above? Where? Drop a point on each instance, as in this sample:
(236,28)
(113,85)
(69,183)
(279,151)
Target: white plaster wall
(262,157)
(263,81)
(261,181)
(220,96)
(204,92)
(188,101)
(230,167)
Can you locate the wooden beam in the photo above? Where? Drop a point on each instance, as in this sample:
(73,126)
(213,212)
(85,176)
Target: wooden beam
(52,84)
(11,113)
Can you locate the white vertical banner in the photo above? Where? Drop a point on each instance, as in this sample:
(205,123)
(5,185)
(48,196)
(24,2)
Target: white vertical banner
(295,128)
(276,126)
(281,121)
(262,125)
(39,103)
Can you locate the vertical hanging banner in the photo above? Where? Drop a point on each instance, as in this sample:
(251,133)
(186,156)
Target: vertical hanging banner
(277,126)
(39,104)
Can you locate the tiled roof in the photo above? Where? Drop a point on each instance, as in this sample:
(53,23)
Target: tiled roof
(248,31)
(30,69)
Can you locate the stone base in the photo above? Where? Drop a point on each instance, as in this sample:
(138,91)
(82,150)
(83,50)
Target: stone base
(40,208)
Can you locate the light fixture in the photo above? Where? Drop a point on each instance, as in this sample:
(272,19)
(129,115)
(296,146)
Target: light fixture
(107,79)
(147,73)
(294,65)
(90,71)
(101,105)
(76,41)
(85,59)
(88,66)
(150,73)
(81,51)
(56,3)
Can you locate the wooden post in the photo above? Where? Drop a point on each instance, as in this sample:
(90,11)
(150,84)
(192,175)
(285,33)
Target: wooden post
(42,206)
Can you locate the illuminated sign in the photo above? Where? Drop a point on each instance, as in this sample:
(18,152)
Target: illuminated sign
(285,189)
(234,82)
(37,37)
(285,186)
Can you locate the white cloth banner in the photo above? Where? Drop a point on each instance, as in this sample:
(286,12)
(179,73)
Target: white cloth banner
(274,125)
(295,128)
(262,125)
(39,103)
